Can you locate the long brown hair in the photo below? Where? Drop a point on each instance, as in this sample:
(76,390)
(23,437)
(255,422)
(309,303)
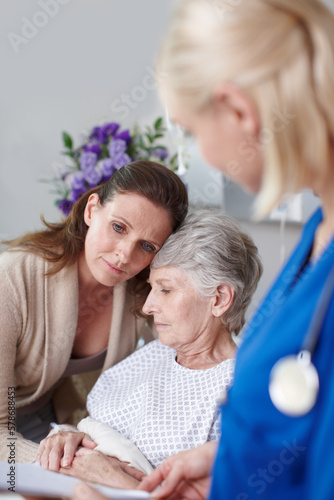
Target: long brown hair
(61,243)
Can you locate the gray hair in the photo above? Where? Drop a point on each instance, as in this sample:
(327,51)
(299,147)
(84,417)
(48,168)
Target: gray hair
(212,250)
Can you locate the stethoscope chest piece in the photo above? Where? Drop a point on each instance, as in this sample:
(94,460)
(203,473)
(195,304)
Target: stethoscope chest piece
(294,384)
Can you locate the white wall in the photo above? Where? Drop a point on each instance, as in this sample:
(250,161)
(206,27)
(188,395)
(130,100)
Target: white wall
(91,62)
(329,3)
(67,76)
(266,236)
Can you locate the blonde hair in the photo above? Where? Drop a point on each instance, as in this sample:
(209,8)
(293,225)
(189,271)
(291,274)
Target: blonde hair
(281,53)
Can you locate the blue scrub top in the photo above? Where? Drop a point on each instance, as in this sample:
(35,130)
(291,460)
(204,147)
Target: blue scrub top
(264,454)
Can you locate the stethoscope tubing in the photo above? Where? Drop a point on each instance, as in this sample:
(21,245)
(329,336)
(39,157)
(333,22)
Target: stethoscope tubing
(318,318)
(294,380)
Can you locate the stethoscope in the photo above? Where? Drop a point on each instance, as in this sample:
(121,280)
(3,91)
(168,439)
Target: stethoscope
(294,380)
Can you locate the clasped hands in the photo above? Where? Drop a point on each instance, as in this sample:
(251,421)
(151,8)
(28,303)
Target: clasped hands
(184,476)
(74,454)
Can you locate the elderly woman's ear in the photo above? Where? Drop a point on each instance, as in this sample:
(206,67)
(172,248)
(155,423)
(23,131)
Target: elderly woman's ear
(222,300)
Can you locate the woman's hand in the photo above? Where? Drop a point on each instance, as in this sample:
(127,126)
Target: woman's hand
(59,449)
(96,467)
(186,475)
(83,491)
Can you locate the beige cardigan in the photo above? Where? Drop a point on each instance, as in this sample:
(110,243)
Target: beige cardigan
(38,319)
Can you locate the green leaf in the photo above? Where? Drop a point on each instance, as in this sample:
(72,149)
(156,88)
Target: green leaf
(141,142)
(173,162)
(150,138)
(104,151)
(158,135)
(67,140)
(68,153)
(158,123)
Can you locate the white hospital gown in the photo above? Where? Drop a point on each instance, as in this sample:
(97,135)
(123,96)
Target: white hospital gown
(163,407)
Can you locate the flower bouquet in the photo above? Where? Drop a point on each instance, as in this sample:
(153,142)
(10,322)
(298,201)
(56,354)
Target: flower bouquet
(106,149)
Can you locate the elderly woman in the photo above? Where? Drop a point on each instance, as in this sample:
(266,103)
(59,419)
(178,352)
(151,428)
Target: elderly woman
(163,398)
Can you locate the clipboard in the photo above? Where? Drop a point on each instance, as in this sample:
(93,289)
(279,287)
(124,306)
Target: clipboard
(32,479)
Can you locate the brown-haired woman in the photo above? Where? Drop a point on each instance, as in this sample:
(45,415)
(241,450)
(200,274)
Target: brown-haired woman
(70,296)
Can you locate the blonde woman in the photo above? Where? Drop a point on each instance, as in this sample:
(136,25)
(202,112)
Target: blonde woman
(253,82)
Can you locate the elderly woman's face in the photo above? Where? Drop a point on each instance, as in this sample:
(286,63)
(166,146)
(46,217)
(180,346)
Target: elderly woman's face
(180,314)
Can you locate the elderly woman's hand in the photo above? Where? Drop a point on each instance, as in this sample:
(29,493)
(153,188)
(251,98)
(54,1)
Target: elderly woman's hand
(59,449)
(83,491)
(96,467)
(185,475)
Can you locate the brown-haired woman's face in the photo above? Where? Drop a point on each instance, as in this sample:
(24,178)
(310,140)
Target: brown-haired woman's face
(123,236)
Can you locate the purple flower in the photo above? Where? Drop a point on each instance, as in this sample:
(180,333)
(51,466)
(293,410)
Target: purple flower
(94,148)
(93,176)
(110,128)
(116,147)
(77,193)
(78,180)
(97,159)
(87,160)
(125,136)
(160,153)
(65,206)
(98,135)
(107,166)
(121,160)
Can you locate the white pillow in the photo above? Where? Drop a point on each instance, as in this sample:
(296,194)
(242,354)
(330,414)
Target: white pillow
(112,443)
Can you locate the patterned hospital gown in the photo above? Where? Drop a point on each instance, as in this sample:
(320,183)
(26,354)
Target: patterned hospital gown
(163,407)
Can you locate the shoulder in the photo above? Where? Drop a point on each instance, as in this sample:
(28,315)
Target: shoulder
(313,222)
(156,349)
(20,258)
(152,354)
(144,361)
(20,267)
(225,369)
(227,365)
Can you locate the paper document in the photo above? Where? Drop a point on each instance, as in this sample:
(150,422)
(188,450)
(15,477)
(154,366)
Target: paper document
(31,479)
